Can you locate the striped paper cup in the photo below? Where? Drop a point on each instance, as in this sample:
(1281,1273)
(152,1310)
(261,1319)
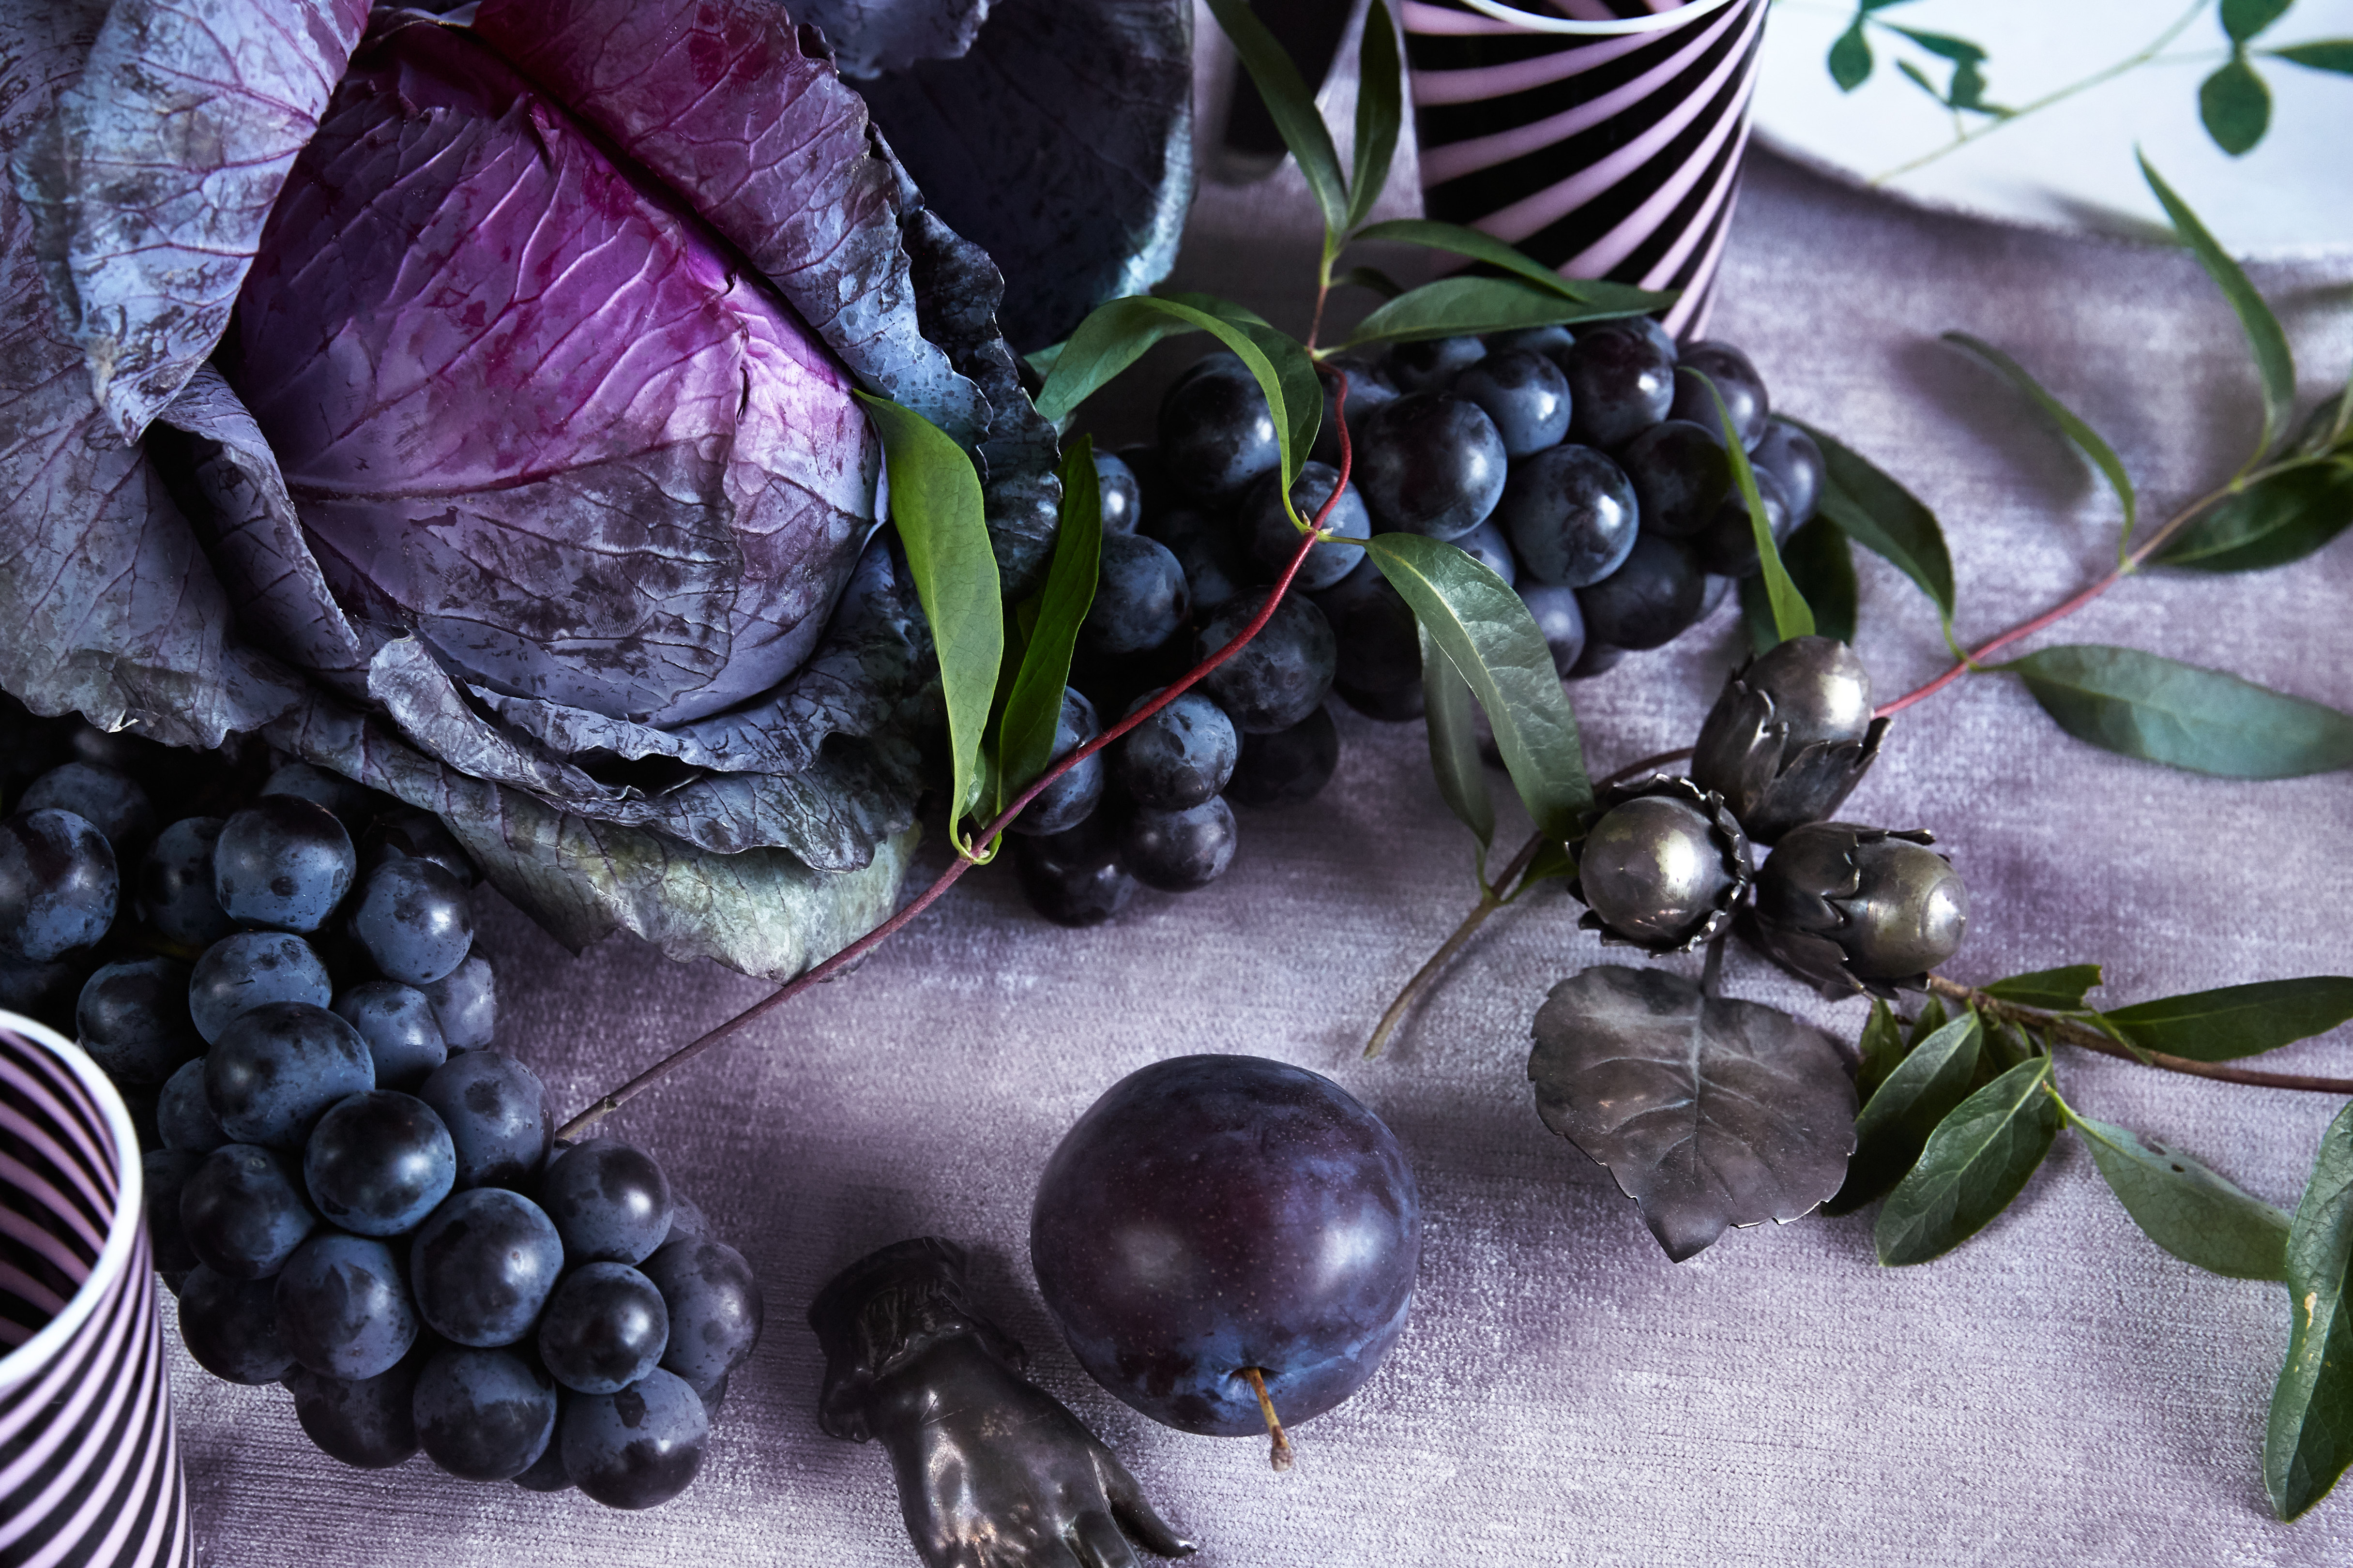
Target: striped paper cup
(90,1466)
(1603,137)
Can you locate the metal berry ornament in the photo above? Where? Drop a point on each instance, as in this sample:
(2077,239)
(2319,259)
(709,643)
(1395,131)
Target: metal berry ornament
(1859,909)
(1662,866)
(1790,737)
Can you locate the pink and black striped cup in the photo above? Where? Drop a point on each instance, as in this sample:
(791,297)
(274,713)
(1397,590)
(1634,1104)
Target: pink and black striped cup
(1603,137)
(89,1466)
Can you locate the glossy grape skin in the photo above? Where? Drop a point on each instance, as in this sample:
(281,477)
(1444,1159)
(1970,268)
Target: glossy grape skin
(1550,342)
(1736,381)
(1795,460)
(1646,328)
(1286,767)
(1648,601)
(1180,756)
(343,1311)
(244,1211)
(482,1266)
(184,1118)
(715,1309)
(404,1038)
(1571,516)
(1728,546)
(277,1068)
(1210,1213)
(609,1200)
(1620,384)
(133,1019)
(637,1449)
(605,1328)
(378,1163)
(175,884)
(1216,435)
(1680,471)
(483,1415)
(369,1423)
(1070,799)
(1140,598)
(497,1116)
(1431,364)
(1208,554)
(1271,541)
(58,885)
(1377,638)
(240,972)
(414,921)
(1119,495)
(466,1005)
(1179,851)
(1072,878)
(546,1473)
(1488,546)
(164,1172)
(1280,676)
(230,1327)
(282,862)
(1524,394)
(1431,464)
(1561,619)
(1368,389)
(109,801)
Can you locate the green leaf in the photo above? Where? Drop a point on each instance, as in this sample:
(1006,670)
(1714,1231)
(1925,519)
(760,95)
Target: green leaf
(2201,720)
(1884,518)
(2320,55)
(2088,440)
(1896,1122)
(1372,277)
(2053,990)
(1293,107)
(2274,361)
(1881,1048)
(1051,619)
(1959,50)
(2310,1438)
(1485,629)
(1932,1017)
(1850,58)
(2237,1020)
(2188,1209)
(1379,109)
(1919,78)
(1551,860)
(1820,562)
(1454,745)
(1453,306)
(2242,19)
(937,506)
(2281,518)
(2235,107)
(1791,615)
(1977,1160)
(1459,240)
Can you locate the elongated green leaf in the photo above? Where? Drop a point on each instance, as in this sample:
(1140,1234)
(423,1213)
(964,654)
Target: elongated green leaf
(1850,58)
(2273,363)
(1977,1160)
(1292,109)
(1034,706)
(1372,277)
(2187,1208)
(2237,1020)
(1885,519)
(936,504)
(1820,562)
(1459,240)
(2242,19)
(2272,521)
(1881,1048)
(1931,1018)
(2088,440)
(2202,721)
(2309,1440)
(1454,743)
(2054,990)
(1959,50)
(1303,390)
(1380,106)
(1792,617)
(2235,106)
(1481,625)
(2320,55)
(1550,861)
(1455,307)
(1920,1091)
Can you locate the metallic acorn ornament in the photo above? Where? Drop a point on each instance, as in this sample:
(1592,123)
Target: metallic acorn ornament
(1857,909)
(1661,867)
(1790,737)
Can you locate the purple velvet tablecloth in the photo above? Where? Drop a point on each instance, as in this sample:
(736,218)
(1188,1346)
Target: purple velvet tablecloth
(2057,1391)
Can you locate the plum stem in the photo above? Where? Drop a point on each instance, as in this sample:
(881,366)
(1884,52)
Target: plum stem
(1277,1452)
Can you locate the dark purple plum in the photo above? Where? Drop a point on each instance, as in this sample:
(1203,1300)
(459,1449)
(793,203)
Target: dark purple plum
(58,885)
(639,1448)
(1071,799)
(277,1068)
(240,972)
(1208,554)
(1286,767)
(1431,364)
(1432,463)
(244,1211)
(1270,541)
(184,1117)
(367,1422)
(1487,545)
(497,1113)
(605,1328)
(378,1163)
(1571,516)
(1140,598)
(230,1327)
(411,834)
(1728,548)
(1793,459)
(716,1310)
(1119,495)
(1072,878)
(1736,381)
(1179,851)
(1377,640)
(1216,435)
(609,1200)
(1215,1214)
(133,1019)
(1280,676)
(1561,620)
(404,1038)
(1650,600)
(343,1311)
(282,862)
(164,1172)
(1620,384)
(466,1005)
(1678,470)
(1180,756)
(110,801)
(482,1266)
(175,884)
(483,1415)
(415,921)
(1369,388)
(1524,394)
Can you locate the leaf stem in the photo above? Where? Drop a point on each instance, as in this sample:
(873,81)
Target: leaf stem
(2059,1027)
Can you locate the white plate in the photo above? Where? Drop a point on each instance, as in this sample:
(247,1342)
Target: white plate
(2070,166)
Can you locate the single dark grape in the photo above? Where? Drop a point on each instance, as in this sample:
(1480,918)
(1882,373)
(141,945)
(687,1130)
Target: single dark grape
(714,1399)
(1140,599)
(175,884)
(1378,642)
(57,885)
(133,1019)
(639,1448)
(1180,756)
(1431,364)
(1524,394)
(1571,516)
(482,1266)
(1678,470)
(1271,541)
(1648,601)
(1728,546)
(342,1309)
(466,1005)
(1561,620)
(1736,381)
(1068,800)
(605,1328)
(411,834)
(367,1422)
(1369,387)
(109,801)
(353,804)
(1121,497)
(483,1415)
(497,1113)
(1795,461)
(609,1200)
(244,1211)
(282,862)
(404,1039)
(1280,676)
(546,1473)
(1646,328)
(1399,705)
(714,1304)
(1286,766)
(378,1163)
(1210,557)
(277,1068)
(414,921)
(1431,464)
(1488,546)
(240,972)
(1552,342)
(1598,658)
(1179,851)
(1072,878)
(1216,435)
(164,1172)
(184,1117)
(230,1327)
(1620,384)
(686,1217)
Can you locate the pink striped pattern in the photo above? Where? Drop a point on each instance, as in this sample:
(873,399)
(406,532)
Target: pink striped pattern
(89,1464)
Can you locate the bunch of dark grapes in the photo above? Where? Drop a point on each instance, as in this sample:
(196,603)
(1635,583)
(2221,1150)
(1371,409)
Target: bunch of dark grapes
(348,1191)
(1587,469)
